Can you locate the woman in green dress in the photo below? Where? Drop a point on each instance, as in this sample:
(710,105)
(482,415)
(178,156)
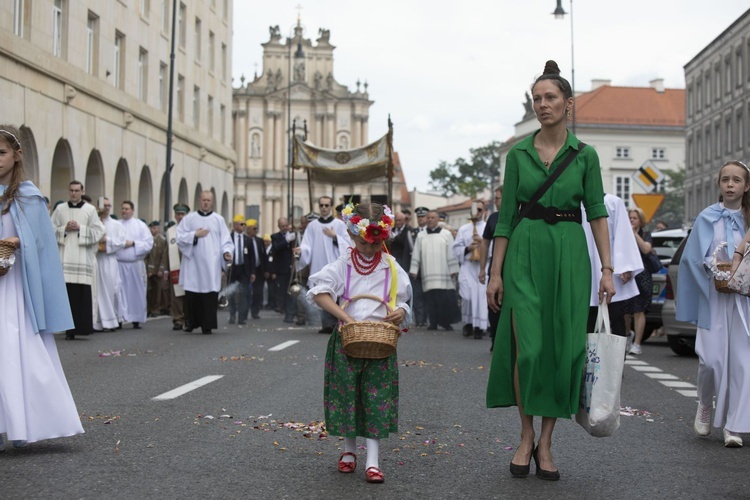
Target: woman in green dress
(546,276)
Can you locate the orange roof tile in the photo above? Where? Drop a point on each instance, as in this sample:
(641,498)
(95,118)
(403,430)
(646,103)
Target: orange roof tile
(640,106)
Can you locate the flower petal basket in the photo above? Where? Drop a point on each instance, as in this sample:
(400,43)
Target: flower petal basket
(7,257)
(369,339)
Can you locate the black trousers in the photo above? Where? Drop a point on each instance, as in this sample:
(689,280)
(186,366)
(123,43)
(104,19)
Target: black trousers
(201,309)
(616,318)
(439,310)
(420,311)
(256,303)
(284,302)
(81,306)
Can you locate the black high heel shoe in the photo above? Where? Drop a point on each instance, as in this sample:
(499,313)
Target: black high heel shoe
(520,471)
(548,475)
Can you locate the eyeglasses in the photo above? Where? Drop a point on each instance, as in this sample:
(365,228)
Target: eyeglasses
(324,205)
(479,209)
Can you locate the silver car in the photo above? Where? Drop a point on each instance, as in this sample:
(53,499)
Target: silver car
(680,335)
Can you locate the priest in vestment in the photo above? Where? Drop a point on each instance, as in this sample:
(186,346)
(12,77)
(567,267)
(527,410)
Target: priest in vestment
(78,230)
(325,239)
(138,243)
(108,289)
(203,238)
(433,259)
(473,293)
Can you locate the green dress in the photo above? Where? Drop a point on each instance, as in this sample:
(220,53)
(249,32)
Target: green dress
(547,283)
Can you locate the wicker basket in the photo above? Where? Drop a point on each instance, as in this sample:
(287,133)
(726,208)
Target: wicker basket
(368,339)
(6,250)
(722,285)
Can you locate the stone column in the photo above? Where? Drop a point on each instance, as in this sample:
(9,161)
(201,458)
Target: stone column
(242,141)
(331,131)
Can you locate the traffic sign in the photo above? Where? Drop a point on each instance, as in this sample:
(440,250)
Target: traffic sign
(649,203)
(648,176)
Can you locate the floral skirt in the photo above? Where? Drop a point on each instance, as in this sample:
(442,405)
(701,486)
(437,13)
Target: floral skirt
(360,396)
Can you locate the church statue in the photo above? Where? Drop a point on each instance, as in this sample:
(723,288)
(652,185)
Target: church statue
(329,81)
(299,72)
(318,78)
(325,35)
(275,32)
(528,107)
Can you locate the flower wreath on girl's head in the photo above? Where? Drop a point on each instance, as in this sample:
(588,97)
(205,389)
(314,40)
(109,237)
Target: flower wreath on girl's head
(371,232)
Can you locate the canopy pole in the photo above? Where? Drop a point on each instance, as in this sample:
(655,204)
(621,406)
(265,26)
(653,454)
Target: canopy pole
(389,168)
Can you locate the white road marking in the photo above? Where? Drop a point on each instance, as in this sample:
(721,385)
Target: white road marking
(678,384)
(632,362)
(689,394)
(662,376)
(184,389)
(646,368)
(284,345)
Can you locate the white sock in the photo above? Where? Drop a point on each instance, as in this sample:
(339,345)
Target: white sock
(372,452)
(350,445)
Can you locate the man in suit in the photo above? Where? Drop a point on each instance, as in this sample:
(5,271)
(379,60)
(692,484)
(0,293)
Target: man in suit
(399,245)
(419,308)
(281,249)
(258,252)
(241,274)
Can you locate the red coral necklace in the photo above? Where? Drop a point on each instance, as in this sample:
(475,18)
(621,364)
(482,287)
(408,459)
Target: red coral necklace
(362,266)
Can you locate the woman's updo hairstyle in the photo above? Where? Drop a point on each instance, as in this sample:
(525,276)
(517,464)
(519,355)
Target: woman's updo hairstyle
(552,72)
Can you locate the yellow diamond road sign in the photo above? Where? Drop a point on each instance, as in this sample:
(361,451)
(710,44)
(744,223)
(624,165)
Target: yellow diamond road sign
(648,176)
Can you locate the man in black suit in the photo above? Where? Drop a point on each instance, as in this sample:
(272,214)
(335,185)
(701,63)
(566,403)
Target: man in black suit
(399,245)
(241,274)
(258,252)
(281,249)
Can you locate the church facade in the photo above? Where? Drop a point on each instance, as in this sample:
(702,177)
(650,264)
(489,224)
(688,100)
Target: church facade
(296,87)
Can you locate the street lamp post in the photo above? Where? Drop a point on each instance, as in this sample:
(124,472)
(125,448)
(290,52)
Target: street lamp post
(168,172)
(560,13)
(299,54)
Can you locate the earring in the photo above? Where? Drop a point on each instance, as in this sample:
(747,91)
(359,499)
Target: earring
(567,113)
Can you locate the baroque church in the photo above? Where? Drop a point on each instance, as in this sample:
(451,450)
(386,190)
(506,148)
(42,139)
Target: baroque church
(297,87)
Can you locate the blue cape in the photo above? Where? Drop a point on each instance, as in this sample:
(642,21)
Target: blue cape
(694,278)
(46,297)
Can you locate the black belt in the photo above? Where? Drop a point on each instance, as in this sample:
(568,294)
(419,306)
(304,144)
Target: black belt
(552,215)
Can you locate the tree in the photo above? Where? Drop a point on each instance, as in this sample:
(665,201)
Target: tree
(468,177)
(672,209)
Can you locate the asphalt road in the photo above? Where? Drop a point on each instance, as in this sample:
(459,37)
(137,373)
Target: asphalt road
(255,432)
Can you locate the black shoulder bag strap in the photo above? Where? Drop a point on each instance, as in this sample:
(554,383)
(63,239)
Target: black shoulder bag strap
(550,180)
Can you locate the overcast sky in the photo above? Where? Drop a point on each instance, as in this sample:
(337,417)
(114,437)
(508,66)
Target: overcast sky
(452,75)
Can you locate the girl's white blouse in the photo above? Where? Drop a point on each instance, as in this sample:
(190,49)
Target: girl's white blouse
(332,280)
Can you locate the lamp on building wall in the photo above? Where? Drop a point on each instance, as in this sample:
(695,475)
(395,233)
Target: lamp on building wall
(560,13)
(299,54)
(168,170)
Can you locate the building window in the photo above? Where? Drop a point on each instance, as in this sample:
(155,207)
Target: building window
(224,61)
(119,58)
(708,89)
(181,97)
(698,148)
(181,13)
(21,18)
(622,188)
(92,44)
(142,74)
(717,82)
(738,67)
(622,152)
(198,47)
(691,97)
(728,133)
(222,125)
(196,107)
(717,139)
(708,149)
(210,117)
(144,8)
(698,94)
(658,153)
(740,129)
(57,28)
(728,74)
(211,51)
(165,16)
(163,82)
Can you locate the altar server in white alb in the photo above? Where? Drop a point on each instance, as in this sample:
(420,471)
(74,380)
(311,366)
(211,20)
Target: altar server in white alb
(108,283)
(206,246)
(78,230)
(626,259)
(138,243)
(473,293)
(325,239)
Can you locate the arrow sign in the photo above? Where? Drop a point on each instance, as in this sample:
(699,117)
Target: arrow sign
(649,203)
(648,176)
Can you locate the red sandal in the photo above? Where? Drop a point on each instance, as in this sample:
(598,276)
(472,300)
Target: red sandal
(347,467)
(374,475)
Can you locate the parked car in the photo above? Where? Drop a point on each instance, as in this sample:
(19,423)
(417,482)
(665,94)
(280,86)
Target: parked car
(680,335)
(665,244)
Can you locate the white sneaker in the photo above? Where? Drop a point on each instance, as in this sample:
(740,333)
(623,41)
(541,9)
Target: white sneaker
(629,343)
(702,423)
(732,439)
(635,349)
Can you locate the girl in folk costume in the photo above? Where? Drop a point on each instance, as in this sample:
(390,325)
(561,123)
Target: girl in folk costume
(723,319)
(361,395)
(35,401)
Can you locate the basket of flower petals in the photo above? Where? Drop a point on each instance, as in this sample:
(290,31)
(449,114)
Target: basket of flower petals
(7,256)
(369,339)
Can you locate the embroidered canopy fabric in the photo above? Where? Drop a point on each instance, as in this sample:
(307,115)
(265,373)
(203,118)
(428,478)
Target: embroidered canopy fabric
(344,166)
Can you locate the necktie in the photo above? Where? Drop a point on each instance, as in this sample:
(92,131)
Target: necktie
(255,249)
(239,251)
